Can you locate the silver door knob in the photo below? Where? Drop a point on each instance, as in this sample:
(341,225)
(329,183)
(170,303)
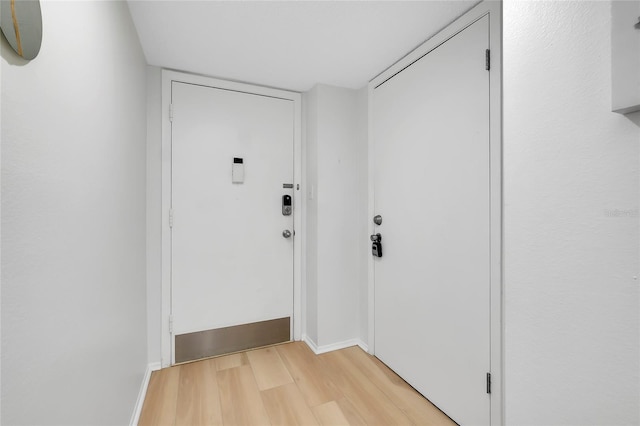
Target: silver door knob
(286,233)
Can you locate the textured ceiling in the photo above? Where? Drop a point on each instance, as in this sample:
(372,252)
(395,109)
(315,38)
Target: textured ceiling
(287,44)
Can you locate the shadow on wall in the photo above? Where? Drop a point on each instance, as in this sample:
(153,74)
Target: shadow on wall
(634,117)
(8,54)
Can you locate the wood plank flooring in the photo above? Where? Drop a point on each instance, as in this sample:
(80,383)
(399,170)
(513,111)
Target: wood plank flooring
(286,385)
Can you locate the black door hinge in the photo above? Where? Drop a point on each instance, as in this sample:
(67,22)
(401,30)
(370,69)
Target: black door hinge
(487,59)
(488,382)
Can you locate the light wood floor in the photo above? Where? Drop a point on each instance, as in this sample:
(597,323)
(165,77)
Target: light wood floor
(286,385)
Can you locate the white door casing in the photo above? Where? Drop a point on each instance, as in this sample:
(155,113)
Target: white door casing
(250,251)
(435,177)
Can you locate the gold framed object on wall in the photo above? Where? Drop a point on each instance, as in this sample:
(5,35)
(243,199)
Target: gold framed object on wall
(21,24)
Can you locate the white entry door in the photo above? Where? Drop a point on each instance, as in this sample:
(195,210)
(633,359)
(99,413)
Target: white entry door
(432,182)
(232,246)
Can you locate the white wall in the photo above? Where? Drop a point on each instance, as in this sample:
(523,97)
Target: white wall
(310,118)
(336,234)
(154,214)
(364,244)
(572,325)
(73,220)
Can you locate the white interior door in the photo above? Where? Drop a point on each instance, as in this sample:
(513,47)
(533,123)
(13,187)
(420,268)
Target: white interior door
(230,263)
(432,181)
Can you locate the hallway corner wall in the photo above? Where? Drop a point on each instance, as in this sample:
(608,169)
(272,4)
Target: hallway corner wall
(571,199)
(154,214)
(364,246)
(336,233)
(73,220)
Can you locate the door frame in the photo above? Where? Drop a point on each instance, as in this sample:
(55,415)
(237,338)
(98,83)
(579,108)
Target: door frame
(168,77)
(494,10)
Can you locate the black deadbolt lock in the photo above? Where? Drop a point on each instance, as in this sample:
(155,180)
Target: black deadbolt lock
(376,246)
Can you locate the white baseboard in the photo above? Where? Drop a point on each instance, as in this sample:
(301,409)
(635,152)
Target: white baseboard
(333,346)
(154,366)
(363,346)
(312,345)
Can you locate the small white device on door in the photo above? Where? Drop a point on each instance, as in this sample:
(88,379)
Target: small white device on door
(237,170)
